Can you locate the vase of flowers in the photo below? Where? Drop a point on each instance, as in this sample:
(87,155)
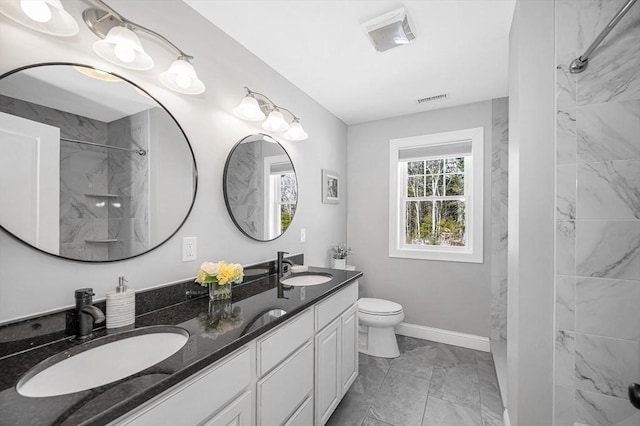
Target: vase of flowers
(219,277)
(339,255)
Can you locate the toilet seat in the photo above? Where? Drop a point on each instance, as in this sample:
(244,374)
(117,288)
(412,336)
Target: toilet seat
(378,307)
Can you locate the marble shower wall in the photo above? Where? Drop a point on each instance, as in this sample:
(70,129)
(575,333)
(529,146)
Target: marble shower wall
(83,170)
(499,203)
(597,216)
(128,173)
(245,187)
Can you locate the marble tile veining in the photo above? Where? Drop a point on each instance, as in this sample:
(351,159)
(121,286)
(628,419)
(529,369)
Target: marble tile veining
(609,131)
(596,409)
(605,365)
(608,249)
(565,247)
(401,399)
(566,192)
(565,358)
(565,302)
(445,413)
(609,190)
(608,307)
(397,392)
(614,76)
(566,138)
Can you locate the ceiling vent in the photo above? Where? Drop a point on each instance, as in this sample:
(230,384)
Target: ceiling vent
(389,30)
(440,97)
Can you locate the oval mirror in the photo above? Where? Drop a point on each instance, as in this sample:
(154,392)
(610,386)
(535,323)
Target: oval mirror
(92,168)
(260,187)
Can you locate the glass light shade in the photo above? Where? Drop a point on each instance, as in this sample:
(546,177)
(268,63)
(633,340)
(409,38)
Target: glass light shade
(275,122)
(295,132)
(249,109)
(122,47)
(181,77)
(97,74)
(46,16)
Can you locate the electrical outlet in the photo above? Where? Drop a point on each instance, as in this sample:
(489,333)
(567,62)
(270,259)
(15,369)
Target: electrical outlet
(303,235)
(189,248)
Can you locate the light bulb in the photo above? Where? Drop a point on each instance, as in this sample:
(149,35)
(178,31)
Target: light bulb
(124,52)
(181,77)
(275,122)
(249,109)
(183,81)
(296,132)
(37,10)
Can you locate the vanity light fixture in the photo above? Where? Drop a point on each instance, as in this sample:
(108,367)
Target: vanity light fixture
(255,107)
(46,16)
(120,45)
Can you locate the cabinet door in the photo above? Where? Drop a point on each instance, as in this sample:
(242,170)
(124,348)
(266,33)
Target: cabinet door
(303,415)
(349,347)
(328,370)
(237,413)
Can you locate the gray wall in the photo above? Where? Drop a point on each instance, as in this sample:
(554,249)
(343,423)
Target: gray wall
(447,295)
(531,224)
(225,67)
(597,352)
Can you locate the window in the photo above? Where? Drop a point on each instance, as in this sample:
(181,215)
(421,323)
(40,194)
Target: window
(281,196)
(436,196)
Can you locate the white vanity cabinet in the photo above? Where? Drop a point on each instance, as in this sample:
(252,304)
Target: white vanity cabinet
(218,395)
(336,350)
(285,371)
(294,375)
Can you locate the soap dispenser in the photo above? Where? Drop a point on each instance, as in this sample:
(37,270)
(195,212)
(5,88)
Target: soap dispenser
(121,305)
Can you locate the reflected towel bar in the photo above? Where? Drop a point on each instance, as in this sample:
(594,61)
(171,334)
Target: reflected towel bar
(137,151)
(580,63)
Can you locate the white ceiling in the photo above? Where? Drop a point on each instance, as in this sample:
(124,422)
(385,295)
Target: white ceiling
(461,49)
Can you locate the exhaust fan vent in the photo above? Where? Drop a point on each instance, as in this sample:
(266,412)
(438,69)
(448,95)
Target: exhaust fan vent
(432,98)
(389,30)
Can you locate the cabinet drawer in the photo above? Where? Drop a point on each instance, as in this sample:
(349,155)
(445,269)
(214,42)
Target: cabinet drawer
(196,399)
(332,307)
(285,388)
(284,341)
(237,413)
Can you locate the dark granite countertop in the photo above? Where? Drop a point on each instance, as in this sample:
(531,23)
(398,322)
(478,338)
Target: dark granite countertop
(208,342)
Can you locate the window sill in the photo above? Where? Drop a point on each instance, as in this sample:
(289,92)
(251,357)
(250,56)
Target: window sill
(438,254)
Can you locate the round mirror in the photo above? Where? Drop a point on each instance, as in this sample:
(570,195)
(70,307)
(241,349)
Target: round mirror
(92,168)
(260,187)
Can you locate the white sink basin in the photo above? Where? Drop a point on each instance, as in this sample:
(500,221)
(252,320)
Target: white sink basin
(102,361)
(304,279)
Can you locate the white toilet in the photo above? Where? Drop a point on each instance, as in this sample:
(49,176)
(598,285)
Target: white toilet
(377,336)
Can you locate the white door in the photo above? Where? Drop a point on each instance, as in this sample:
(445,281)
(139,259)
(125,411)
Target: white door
(30,181)
(349,347)
(328,369)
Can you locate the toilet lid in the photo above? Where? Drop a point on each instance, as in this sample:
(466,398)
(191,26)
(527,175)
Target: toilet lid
(378,306)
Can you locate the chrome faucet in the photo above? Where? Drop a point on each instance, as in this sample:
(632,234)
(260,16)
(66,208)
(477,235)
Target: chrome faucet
(281,262)
(86,313)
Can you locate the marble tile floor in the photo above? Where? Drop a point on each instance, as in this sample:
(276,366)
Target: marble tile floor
(429,384)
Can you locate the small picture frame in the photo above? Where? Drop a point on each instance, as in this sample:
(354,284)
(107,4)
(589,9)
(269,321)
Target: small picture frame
(330,187)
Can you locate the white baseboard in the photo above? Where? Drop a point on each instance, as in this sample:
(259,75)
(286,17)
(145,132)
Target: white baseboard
(454,338)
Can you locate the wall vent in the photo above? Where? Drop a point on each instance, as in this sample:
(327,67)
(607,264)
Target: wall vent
(432,98)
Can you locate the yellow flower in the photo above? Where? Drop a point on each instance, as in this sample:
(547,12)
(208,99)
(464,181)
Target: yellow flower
(225,273)
(220,272)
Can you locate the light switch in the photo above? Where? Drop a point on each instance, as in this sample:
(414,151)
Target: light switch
(303,235)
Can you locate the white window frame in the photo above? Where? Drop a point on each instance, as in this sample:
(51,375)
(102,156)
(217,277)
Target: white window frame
(474,179)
